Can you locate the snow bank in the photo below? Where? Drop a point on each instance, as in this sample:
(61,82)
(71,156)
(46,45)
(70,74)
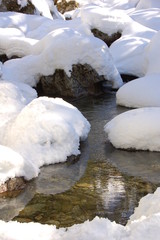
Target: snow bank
(136,129)
(50,55)
(142,92)
(52,129)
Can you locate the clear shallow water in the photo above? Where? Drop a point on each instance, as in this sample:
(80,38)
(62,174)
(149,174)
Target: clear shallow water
(103,181)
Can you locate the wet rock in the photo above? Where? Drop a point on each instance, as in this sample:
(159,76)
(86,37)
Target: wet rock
(12,5)
(105,37)
(13,184)
(65,6)
(84,80)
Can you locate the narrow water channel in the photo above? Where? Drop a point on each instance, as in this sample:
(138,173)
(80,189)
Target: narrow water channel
(103,182)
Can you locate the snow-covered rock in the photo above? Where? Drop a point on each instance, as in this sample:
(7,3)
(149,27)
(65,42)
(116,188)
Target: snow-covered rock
(135,129)
(50,55)
(104,19)
(13,165)
(47,131)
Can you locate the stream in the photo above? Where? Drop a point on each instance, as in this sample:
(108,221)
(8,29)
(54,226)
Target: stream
(103,181)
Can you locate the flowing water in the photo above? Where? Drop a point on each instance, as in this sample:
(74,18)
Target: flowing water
(103,181)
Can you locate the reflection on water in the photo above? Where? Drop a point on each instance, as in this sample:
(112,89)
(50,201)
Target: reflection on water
(104,181)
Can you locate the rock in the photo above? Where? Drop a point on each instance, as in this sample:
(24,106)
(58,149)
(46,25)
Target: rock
(4,58)
(12,5)
(84,80)
(65,6)
(105,37)
(13,184)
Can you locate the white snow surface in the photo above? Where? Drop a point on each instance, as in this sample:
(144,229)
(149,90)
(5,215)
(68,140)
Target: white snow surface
(142,92)
(13,97)
(135,129)
(148,17)
(144,4)
(13,165)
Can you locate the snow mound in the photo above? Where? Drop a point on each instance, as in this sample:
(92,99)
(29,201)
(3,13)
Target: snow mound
(136,129)
(51,53)
(153,54)
(13,165)
(128,52)
(142,92)
(47,131)
(104,19)
(144,4)
(147,17)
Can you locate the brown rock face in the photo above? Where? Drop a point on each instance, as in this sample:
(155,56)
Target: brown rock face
(84,80)
(65,6)
(11,5)
(13,184)
(105,37)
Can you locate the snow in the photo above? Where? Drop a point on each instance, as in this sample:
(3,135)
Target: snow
(142,92)
(130,95)
(129,51)
(17,168)
(13,97)
(104,19)
(148,206)
(144,4)
(147,17)
(135,129)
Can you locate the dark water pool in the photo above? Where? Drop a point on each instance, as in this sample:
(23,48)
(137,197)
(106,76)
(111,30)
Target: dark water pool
(103,182)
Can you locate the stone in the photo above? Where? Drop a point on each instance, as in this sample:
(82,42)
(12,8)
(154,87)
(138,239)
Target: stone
(13,184)
(65,6)
(12,5)
(105,37)
(84,80)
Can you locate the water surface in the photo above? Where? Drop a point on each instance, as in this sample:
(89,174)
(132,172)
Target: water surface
(103,182)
